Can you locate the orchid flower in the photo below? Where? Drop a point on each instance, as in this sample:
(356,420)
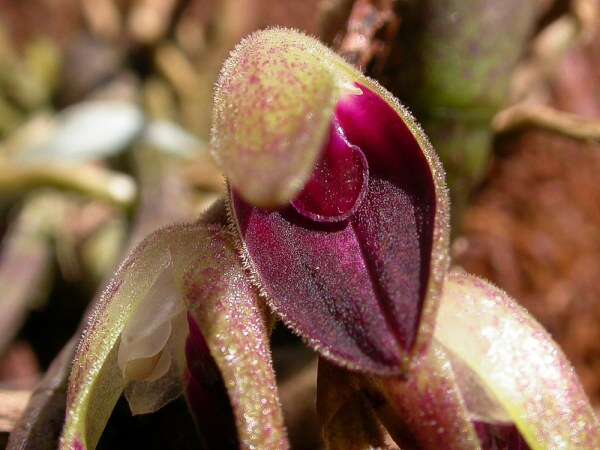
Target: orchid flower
(336,221)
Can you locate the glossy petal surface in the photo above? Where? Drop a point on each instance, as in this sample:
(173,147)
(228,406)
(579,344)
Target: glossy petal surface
(338,184)
(518,362)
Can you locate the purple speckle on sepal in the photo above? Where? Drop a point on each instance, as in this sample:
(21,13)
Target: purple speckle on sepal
(77,445)
(353,288)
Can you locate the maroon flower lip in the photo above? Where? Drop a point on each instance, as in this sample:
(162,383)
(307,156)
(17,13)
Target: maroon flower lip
(339,182)
(347,264)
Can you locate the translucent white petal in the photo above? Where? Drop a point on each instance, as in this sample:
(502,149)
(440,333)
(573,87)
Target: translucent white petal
(149,329)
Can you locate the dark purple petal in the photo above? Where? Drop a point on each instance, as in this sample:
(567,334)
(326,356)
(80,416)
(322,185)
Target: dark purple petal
(355,289)
(499,436)
(395,225)
(338,184)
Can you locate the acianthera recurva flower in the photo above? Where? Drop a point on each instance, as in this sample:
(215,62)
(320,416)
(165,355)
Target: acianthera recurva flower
(337,198)
(337,220)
